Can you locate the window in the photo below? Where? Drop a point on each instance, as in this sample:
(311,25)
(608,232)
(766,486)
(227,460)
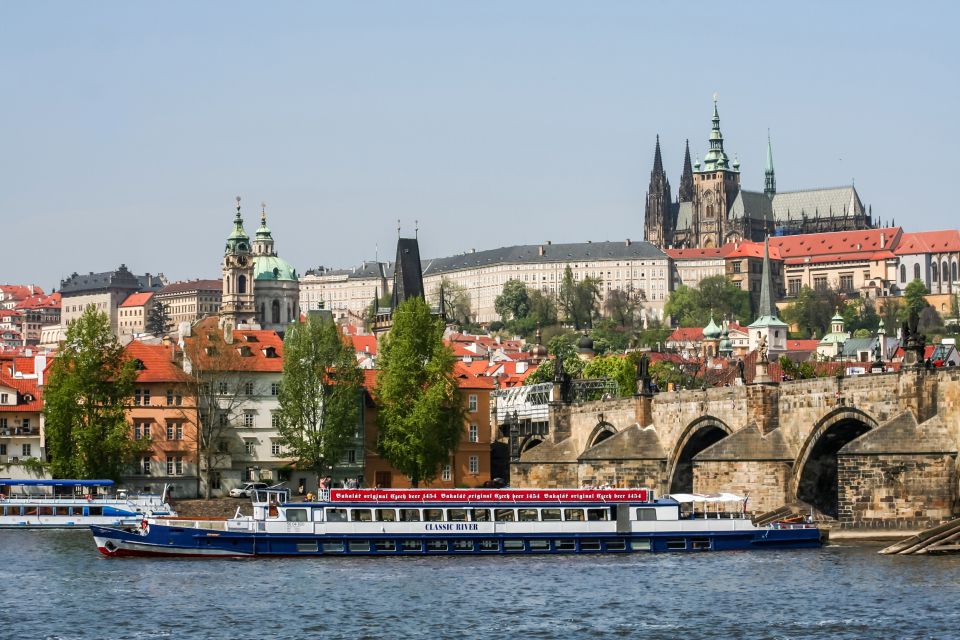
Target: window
(248,446)
(223,419)
(794,286)
(736,267)
(550,514)
(445,474)
(174,465)
(274,388)
(215,479)
(474,434)
(480,515)
(916,271)
(646,513)
(433,515)
(409,515)
(361,515)
(174,431)
(276,448)
(472,403)
(4,398)
(275,420)
(474,464)
(223,388)
(169,397)
(248,389)
(3,449)
(504,515)
(26,450)
(248,418)
(820,282)
(386,515)
(903,273)
(934,273)
(527,515)
(141,430)
(574,515)
(336,515)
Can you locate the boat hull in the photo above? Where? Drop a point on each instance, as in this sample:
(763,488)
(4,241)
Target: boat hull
(166,541)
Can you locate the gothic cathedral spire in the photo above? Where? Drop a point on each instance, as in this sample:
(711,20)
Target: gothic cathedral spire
(658,221)
(686,179)
(769,181)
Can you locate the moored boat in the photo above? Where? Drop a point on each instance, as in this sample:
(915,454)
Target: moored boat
(69,504)
(457,522)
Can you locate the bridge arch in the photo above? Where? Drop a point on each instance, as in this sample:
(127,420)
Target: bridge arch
(529,443)
(697,436)
(815,469)
(601,432)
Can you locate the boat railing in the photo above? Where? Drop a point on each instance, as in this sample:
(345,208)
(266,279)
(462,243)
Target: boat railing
(60,499)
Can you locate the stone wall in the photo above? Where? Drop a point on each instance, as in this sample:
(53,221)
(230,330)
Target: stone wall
(552,475)
(625,473)
(899,490)
(765,482)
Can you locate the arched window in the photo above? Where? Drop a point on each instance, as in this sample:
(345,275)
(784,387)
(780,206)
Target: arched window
(916,271)
(903,273)
(241,284)
(289,313)
(228,285)
(934,274)
(945,271)
(263,312)
(275,312)
(953,271)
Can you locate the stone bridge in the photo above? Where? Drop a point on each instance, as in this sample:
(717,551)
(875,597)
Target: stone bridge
(874,450)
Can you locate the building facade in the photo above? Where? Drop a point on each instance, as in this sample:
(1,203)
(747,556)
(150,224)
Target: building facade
(132,315)
(21,424)
(933,257)
(347,293)
(190,300)
(104,292)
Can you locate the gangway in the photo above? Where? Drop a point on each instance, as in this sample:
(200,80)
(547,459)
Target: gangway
(944,538)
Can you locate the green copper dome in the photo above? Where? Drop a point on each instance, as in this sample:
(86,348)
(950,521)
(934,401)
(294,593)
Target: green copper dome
(711,331)
(273,268)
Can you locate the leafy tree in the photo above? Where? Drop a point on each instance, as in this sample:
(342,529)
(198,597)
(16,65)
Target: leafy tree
(579,301)
(930,321)
(890,312)
(563,345)
(684,306)
(158,320)
(514,302)
(860,315)
(812,310)
(914,299)
(85,400)
(320,394)
(457,301)
(420,409)
(798,370)
(618,368)
(542,313)
(624,308)
(725,298)
(665,373)
(611,336)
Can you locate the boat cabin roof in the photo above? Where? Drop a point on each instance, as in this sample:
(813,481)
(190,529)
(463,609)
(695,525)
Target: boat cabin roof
(426,498)
(55,483)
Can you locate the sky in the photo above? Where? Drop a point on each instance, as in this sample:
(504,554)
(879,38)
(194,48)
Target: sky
(129,128)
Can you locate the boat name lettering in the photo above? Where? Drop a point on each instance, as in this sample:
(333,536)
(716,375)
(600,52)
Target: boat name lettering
(451,526)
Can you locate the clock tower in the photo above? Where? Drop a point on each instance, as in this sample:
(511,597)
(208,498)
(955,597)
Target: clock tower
(237,307)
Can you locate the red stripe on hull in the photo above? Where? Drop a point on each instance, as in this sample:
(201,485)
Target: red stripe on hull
(129,553)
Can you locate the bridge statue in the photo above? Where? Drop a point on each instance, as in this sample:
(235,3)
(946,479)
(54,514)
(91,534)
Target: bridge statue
(643,375)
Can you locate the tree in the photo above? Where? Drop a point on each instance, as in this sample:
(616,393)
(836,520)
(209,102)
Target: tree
(457,301)
(420,412)
(624,308)
(726,299)
(158,320)
(812,310)
(562,345)
(218,378)
(85,401)
(914,299)
(514,302)
(620,369)
(579,301)
(890,313)
(684,306)
(320,394)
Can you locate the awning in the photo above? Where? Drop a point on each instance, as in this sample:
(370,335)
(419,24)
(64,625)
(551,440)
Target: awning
(705,497)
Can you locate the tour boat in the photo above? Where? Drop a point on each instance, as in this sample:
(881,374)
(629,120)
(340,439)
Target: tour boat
(378,522)
(65,504)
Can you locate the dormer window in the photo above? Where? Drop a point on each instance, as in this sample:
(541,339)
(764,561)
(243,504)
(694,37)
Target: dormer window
(245,351)
(250,338)
(270,352)
(138,364)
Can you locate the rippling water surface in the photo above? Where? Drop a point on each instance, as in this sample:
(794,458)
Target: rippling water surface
(55,585)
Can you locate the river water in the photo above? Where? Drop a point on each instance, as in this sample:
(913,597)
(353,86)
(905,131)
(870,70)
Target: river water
(55,585)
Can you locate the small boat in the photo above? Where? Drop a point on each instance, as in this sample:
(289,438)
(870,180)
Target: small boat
(378,522)
(67,504)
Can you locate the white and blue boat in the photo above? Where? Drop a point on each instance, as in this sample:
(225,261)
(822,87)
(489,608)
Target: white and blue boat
(397,522)
(68,504)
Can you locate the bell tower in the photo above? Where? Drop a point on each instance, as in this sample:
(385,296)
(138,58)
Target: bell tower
(716,183)
(237,306)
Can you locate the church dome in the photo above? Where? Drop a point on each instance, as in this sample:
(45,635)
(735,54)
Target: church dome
(273,268)
(585,343)
(711,331)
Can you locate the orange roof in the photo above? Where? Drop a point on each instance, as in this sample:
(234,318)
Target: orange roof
(694,253)
(158,364)
(137,299)
(20,291)
(251,350)
(22,386)
(929,242)
(467,380)
(836,246)
(686,334)
(40,301)
(748,249)
(364,344)
(24,365)
(802,345)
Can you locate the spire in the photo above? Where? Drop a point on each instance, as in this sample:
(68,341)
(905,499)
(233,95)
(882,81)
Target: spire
(686,180)
(769,182)
(238,240)
(657,161)
(716,158)
(766,308)
(658,218)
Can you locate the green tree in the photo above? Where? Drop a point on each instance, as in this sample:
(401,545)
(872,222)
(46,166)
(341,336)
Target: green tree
(579,301)
(420,409)
(563,345)
(890,313)
(85,402)
(625,308)
(685,307)
(542,313)
(725,299)
(320,394)
(621,369)
(812,310)
(457,301)
(158,320)
(914,299)
(514,302)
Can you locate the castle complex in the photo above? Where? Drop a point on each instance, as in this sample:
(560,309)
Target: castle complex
(711,209)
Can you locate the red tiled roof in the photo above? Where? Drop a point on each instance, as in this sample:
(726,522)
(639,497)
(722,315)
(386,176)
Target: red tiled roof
(157,359)
(22,386)
(748,249)
(929,242)
(836,246)
(41,301)
(137,299)
(20,291)
(364,344)
(234,356)
(802,345)
(467,380)
(686,334)
(695,253)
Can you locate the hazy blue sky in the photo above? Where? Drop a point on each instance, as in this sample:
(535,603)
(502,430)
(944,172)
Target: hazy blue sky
(128,128)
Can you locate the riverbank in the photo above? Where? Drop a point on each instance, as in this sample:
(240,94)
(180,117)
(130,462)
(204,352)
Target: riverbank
(213,508)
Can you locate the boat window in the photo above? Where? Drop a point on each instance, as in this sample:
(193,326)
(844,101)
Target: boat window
(296,515)
(436,545)
(386,515)
(463,545)
(676,545)
(589,545)
(95,511)
(527,515)
(359,546)
(700,544)
(480,515)
(12,511)
(61,511)
(307,547)
(410,515)
(549,514)
(565,545)
(318,515)
(360,515)
(513,545)
(575,515)
(433,515)
(640,545)
(646,513)
(598,514)
(385,545)
(29,511)
(333,547)
(616,545)
(77,511)
(46,511)
(504,515)
(489,545)
(412,545)
(336,515)
(539,545)
(457,515)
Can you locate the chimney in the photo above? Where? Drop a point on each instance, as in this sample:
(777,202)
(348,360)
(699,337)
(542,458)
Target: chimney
(883,239)
(541,251)
(548,242)
(628,243)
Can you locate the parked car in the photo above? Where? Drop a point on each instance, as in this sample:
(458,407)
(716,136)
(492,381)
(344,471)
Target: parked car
(247,489)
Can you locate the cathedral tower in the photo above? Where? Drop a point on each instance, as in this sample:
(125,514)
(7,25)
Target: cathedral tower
(769,180)
(686,180)
(658,218)
(716,184)
(237,307)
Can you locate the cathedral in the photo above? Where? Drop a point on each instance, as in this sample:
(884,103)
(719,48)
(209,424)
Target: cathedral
(260,289)
(711,209)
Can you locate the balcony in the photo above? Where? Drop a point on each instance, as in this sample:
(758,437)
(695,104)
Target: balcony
(11,432)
